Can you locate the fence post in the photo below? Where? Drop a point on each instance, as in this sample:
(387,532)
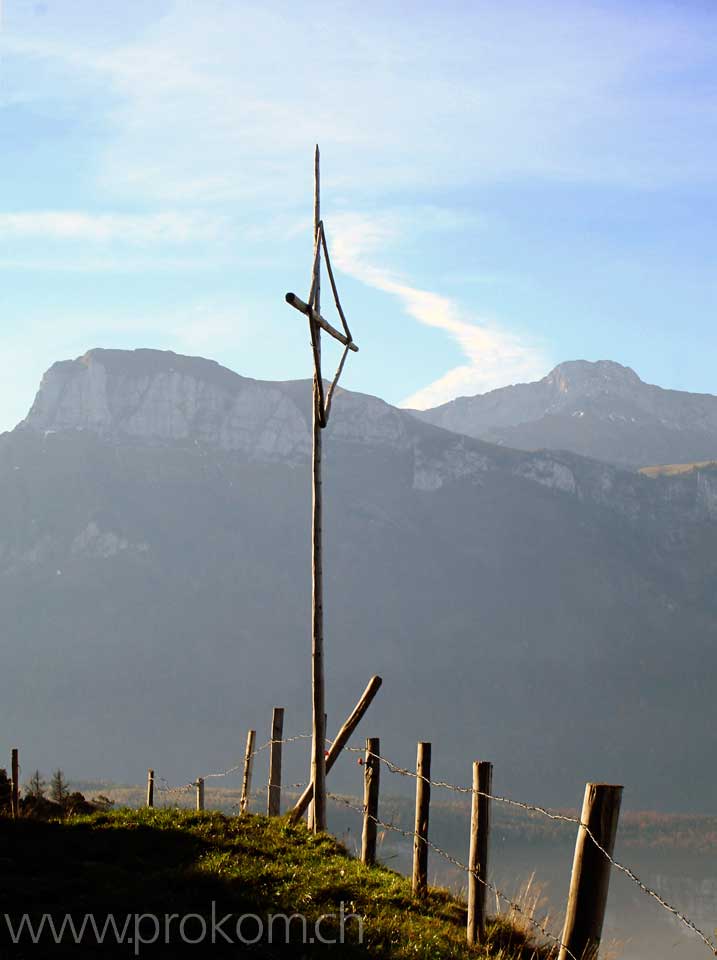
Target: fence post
(248,764)
(423,800)
(478,857)
(273,807)
(150,788)
(200,793)
(15,772)
(372,767)
(591,872)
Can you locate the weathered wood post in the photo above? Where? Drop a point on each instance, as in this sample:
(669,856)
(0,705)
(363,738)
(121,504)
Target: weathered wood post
(321,409)
(310,817)
(342,738)
(248,765)
(273,804)
(591,872)
(372,769)
(200,793)
(423,800)
(15,773)
(150,788)
(478,857)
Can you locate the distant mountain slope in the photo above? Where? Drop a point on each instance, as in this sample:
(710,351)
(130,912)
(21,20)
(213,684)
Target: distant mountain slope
(601,410)
(549,612)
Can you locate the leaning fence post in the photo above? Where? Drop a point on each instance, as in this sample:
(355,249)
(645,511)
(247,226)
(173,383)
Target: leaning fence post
(591,872)
(478,857)
(372,767)
(338,744)
(200,793)
(273,807)
(150,788)
(423,800)
(15,772)
(248,764)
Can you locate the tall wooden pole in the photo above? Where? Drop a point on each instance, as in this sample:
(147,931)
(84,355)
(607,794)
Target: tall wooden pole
(318,745)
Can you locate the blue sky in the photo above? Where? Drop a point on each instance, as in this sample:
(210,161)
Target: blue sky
(505,186)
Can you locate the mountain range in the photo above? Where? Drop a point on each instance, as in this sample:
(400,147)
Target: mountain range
(600,410)
(550,610)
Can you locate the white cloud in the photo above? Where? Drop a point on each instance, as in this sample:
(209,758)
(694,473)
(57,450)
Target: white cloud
(494,357)
(214,101)
(106,227)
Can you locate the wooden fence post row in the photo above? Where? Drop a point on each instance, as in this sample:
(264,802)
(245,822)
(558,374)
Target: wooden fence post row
(15,774)
(248,765)
(423,801)
(591,872)
(372,767)
(478,856)
(273,807)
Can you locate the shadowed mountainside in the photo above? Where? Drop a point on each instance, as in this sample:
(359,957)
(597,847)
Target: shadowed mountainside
(548,612)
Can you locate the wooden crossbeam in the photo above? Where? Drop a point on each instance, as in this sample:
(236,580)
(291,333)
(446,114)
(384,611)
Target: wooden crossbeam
(304,308)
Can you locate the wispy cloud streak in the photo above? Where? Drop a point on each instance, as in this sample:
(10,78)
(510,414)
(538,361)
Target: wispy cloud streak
(494,356)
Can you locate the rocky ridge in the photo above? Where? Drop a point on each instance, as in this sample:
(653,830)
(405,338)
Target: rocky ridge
(602,409)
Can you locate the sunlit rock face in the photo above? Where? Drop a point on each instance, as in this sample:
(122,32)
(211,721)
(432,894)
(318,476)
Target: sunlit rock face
(161,396)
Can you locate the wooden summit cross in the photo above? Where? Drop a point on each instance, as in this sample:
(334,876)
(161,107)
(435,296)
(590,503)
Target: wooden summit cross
(321,411)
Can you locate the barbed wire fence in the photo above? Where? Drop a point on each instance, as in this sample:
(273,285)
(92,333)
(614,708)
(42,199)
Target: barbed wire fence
(555,816)
(165,793)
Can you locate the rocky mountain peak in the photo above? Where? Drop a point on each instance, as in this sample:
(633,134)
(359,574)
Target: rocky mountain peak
(598,409)
(586,378)
(161,396)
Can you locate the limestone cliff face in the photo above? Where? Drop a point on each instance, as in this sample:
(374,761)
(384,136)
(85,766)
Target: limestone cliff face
(161,396)
(157,397)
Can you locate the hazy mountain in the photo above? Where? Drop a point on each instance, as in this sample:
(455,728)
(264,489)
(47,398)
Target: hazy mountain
(551,613)
(600,410)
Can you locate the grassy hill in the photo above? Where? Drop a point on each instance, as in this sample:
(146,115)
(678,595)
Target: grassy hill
(675,469)
(168,862)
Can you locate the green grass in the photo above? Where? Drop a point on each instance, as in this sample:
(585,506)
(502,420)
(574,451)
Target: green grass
(168,861)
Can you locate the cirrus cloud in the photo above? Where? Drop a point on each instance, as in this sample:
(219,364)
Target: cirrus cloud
(494,356)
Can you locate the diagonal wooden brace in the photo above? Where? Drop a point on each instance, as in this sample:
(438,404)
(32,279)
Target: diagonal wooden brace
(304,308)
(342,738)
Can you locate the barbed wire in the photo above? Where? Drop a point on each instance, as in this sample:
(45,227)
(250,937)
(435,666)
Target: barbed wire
(467,791)
(264,746)
(553,815)
(224,773)
(412,835)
